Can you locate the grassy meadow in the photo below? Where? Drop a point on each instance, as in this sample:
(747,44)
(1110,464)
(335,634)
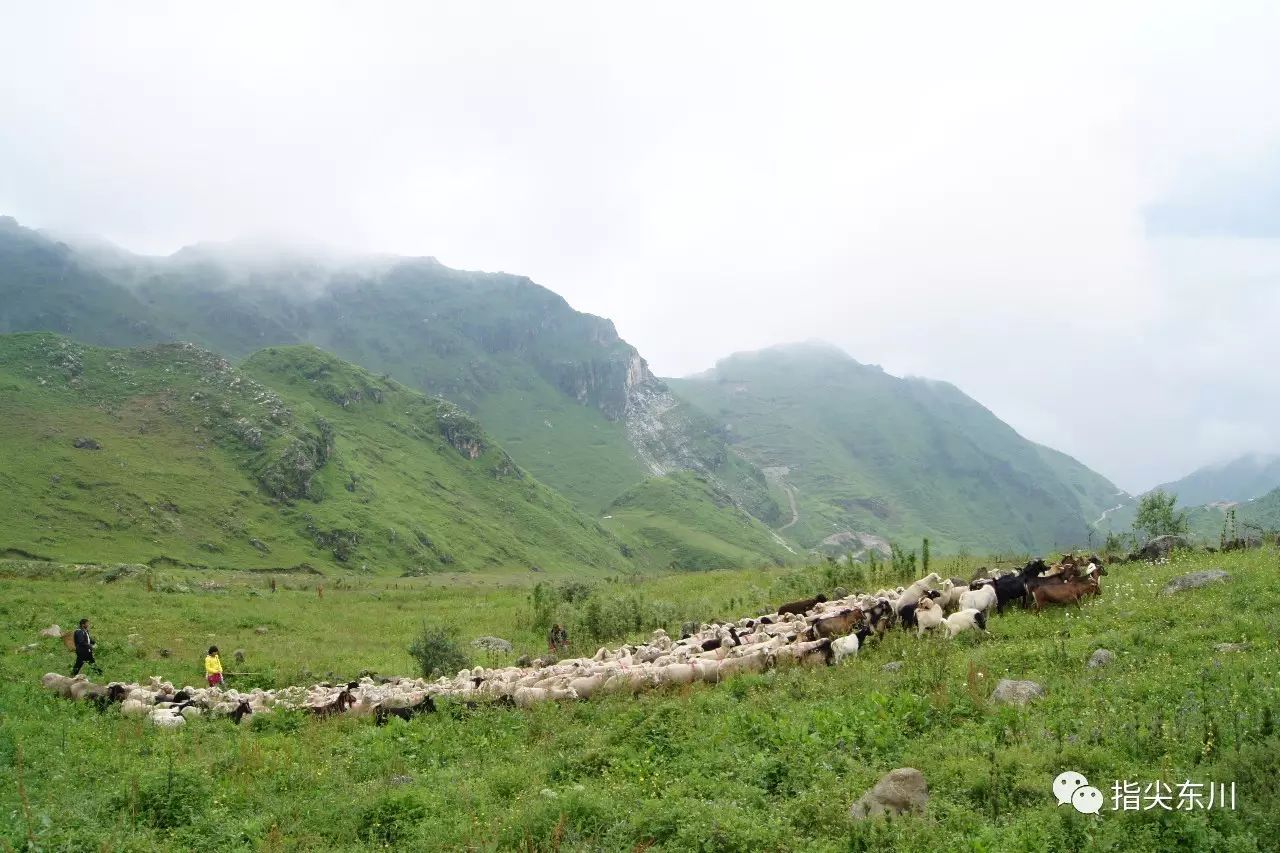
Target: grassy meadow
(761,762)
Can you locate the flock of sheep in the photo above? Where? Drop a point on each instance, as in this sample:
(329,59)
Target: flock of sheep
(811,631)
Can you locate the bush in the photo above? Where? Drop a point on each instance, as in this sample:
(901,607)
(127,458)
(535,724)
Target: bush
(390,818)
(438,652)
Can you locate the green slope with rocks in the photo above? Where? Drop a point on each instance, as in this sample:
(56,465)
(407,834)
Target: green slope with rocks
(570,400)
(171,455)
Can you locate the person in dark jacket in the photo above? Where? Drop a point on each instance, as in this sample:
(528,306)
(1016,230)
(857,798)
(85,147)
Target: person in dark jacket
(84,648)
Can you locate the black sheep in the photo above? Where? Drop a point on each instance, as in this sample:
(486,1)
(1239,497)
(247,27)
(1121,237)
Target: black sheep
(715,642)
(382,714)
(1013,587)
(801,607)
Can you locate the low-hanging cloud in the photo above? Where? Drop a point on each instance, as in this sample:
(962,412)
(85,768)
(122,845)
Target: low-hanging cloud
(962,193)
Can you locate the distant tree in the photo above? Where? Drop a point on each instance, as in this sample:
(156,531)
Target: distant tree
(924,556)
(1157,516)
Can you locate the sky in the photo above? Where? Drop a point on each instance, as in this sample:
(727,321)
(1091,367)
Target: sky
(1071,211)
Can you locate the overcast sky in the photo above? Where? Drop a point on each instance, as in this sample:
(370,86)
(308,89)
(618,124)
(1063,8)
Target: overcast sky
(1070,211)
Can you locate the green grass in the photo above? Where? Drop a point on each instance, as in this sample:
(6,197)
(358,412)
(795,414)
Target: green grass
(298,458)
(901,458)
(767,762)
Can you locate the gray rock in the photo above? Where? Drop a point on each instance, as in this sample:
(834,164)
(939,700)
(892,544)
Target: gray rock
(164,653)
(261,629)
(239,655)
(892,666)
(1194,580)
(86,443)
(1161,547)
(839,592)
(30,647)
(1231,647)
(1016,692)
(492,644)
(404,779)
(54,631)
(898,791)
(1101,657)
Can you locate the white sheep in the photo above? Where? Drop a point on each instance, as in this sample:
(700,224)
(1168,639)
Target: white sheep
(848,645)
(928,616)
(983,598)
(166,718)
(965,620)
(912,594)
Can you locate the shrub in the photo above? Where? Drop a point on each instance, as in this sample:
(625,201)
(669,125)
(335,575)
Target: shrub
(390,818)
(1157,516)
(438,652)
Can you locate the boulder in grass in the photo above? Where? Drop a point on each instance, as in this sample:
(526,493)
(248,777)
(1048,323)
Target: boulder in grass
(898,792)
(1101,657)
(1194,580)
(1016,692)
(492,644)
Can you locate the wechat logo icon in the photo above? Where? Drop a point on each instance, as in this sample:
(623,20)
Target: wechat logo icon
(1071,787)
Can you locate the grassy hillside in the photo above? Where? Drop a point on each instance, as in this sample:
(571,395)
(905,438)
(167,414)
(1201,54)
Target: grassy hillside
(42,287)
(682,521)
(297,458)
(902,458)
(768,762)
(556,387)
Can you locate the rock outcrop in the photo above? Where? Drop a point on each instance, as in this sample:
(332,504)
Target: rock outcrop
(898,792)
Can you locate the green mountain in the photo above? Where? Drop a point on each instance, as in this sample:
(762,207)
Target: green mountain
(560,390)
(684,521)
(1242,479)
(863,452)
(1253,517)
(171,454)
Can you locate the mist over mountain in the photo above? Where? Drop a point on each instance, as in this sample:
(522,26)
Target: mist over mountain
(818,450)
(1241,479)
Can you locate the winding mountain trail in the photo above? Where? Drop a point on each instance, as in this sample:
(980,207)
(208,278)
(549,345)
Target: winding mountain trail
(1107,512)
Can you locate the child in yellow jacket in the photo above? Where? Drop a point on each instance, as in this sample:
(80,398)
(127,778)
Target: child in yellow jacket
(213,667)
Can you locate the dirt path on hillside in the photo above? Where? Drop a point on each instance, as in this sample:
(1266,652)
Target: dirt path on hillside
(1107,512)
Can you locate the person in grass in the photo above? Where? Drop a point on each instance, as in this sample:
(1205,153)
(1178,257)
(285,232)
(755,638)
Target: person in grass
(84,648)
(213,667)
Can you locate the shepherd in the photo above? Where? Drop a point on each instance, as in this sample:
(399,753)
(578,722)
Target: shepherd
(213,667)
(84,648)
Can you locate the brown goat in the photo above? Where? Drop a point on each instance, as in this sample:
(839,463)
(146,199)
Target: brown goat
(1065,592)
(840,624)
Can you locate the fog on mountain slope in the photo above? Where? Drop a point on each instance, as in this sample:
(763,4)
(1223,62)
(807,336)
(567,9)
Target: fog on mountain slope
(1241,479)
(857,451)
